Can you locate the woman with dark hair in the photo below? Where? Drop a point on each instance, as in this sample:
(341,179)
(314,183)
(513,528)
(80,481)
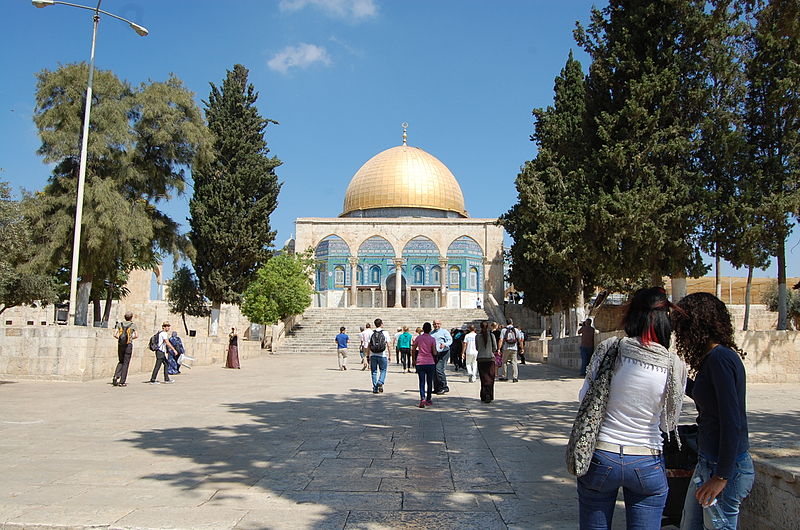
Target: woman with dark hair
(422,354)
(486,344)
(704,336)
(642,399)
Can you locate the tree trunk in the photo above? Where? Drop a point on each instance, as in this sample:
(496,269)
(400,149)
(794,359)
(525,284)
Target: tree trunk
(782,294)
(746,323)
(717,273)
(580,306)
(678,281)
(97,311)
(185,327)
(213,319)
(109,301)
(82,302)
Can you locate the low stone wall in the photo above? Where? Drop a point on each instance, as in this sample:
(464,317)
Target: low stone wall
(70,353)
(774,501)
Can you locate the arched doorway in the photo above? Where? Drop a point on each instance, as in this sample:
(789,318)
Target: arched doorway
(391,290)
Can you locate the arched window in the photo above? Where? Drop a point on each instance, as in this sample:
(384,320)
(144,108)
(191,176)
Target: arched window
(359,275)
(455,278)
(419,275)
(338,276)
(375,275)
(436,275)
(473,279)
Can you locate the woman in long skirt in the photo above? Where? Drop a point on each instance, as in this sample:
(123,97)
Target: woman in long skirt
(233,350)
(486,344)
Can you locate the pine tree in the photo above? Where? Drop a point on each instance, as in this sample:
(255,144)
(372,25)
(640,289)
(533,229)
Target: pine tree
(234,194)
(140,138)
(773,127)
(644,105)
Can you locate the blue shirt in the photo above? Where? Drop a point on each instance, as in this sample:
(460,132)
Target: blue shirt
(443,337)
(341,340)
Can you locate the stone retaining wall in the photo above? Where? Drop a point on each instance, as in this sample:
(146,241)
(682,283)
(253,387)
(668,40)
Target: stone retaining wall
(774,501)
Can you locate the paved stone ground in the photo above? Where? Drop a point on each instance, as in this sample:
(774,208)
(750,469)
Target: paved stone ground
(291,442)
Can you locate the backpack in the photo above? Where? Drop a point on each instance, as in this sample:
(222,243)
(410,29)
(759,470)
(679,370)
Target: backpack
(124,335)
(377,342)
(511,336)
(153,344)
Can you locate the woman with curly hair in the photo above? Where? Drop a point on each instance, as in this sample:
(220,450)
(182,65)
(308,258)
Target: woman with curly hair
(643,398)
(704,336)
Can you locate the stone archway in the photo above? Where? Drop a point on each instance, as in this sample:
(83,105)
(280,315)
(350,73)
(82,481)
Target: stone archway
(391,287)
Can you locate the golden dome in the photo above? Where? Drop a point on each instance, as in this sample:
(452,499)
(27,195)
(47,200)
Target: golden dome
(404,177)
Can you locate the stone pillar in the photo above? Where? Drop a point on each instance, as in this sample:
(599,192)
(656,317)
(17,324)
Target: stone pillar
(443,281)
(353,282)
(398,282)
(419,297)
(372,297)
(436,298)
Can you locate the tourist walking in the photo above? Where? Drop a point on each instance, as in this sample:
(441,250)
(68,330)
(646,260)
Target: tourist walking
(232,360)
(378,356)
(394,345)
(125,333)
(704,336)
(486,345)
(443,342)
(457,348)
(173,366)
(586,332)
(341,348)
(471,354)
(632,392)
(364,348)
(164,346)
(404,345)
(423,350)
(512,342)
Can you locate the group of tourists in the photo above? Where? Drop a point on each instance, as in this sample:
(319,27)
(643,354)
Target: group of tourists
(633,391)
(429,349)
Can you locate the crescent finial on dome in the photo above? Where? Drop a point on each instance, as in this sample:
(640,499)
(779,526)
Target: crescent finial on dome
(405,134)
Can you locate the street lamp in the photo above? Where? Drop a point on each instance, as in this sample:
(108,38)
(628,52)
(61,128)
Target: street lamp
(76,242)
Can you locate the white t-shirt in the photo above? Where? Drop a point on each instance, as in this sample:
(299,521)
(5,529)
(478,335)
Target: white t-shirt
(365,335)
(511,346)
(385,352)
(469,344)
(163,337)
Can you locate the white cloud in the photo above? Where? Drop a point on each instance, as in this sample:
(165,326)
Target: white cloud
(301,56)
(348,9)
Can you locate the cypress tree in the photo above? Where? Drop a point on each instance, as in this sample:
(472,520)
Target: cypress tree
(234,194)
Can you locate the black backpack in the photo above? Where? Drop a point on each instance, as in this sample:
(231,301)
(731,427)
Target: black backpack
(153,344)
(511,336)
(377,342)
(124,335)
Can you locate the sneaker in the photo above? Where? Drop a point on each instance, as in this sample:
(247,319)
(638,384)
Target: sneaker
(154,383)
(169,381)
(114,382)
(515,381)
(380,389)
(421,404)
(374,390)
(429,402)
(344,368)
(363,368)
(503,379)
(123,384)
(445,390)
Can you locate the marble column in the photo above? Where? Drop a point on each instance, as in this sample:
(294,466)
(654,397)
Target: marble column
(443,281)
(353,282)
(372,297)
(398,282)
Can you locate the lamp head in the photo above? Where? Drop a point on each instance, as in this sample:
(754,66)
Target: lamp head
(141,30)
(42,3)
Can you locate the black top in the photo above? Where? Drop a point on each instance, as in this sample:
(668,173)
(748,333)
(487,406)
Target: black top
(233,340)
(719,394)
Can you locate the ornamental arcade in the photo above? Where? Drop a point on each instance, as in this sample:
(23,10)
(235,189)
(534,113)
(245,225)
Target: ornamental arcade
(404,239)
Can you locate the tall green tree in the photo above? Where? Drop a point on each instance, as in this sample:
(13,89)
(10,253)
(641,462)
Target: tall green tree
(552,250)
(234,194)
(19,285)
(141,139)
(185,297)
(281,288)
(645,101)
(773,127)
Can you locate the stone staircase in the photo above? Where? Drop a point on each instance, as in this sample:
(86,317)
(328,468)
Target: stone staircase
(316,331)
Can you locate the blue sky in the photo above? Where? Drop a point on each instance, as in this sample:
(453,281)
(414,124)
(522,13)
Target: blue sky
(340,76)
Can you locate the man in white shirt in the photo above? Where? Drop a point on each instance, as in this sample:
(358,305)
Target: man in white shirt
(512,341)
(161,354)
(378,356)
(443,343)
(364,351)
(394,345)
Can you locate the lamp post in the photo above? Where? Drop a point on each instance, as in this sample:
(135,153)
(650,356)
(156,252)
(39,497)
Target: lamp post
(76,241)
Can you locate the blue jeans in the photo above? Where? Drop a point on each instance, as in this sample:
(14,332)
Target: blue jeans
(586,354)
(440,382)
(425,373)
(376,362)
(738,487)
(644,486)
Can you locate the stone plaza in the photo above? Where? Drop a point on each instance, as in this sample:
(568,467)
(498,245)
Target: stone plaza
(289,441)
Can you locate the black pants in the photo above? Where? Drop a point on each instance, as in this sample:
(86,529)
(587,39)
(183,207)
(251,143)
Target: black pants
(405,357)
(124,352)
(440,382)
(487,370)
(161,359)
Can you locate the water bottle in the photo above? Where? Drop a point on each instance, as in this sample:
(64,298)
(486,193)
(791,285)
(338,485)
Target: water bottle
(713,517)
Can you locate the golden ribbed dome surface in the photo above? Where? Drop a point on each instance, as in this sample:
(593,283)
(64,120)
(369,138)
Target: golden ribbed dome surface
(404,177)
